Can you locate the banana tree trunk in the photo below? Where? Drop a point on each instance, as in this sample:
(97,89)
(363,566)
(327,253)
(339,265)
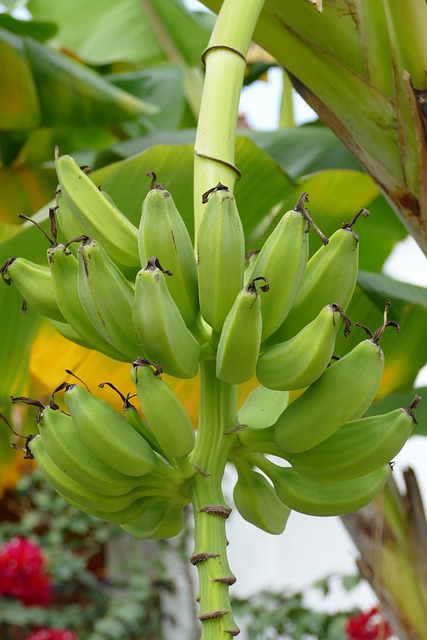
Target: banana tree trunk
(361,66)
(391,536)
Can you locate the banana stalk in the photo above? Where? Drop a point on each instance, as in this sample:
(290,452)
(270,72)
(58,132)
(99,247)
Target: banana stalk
(225,60)
(216,417)
(214,163)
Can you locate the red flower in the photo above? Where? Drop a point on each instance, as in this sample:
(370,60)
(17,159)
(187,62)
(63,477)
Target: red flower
(22,573)
(52,634)
(368,626)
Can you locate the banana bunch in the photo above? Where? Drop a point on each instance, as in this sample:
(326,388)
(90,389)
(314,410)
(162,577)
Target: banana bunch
(336,461)
(98,461)
(149,296)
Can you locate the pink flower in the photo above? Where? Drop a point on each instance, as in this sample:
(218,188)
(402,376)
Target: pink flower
(368,625)
(22,573)
(52,634)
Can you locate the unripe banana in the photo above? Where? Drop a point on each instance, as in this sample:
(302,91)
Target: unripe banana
(67,223)
(343,392)
(100,218)
(69,452)
(162,233)
(263,407)
(159,325)
(64,272)
(221,256)
(165,414)
(121,517)
(108,434)
(328,498)
(34,283)
(240,339)
(160,519)
(77,493)
(256,501)
(132,417)
(300,361)
(358,448)
(330,275)
(282,260)
(107,297)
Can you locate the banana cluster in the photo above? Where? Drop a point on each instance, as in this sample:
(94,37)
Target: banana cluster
(148,296)
(100,461)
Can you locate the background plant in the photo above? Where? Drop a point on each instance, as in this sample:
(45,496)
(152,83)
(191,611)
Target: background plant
(82,595)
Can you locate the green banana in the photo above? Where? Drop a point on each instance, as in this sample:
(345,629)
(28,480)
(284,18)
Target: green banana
(263,407)
(328,498)
(108,434)
(107,297)
(330,276)
(100,218)
(343,392)
(34,283)
(69,452)
(221,256)
(282,260)
(64,273)
(162,233)
(160,519)
(300,361)
(240,339)
(159,325)
(76,492)
(163,410)
(358,448)
(256,501)
(132,417)
(67,223)
(121,517)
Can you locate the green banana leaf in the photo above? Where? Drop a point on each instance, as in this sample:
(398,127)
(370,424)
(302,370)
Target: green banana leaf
(18,331)
(41,31)
(24,190)
(162,85)
(47,88)
(106,31)
(21,109)
(305,149)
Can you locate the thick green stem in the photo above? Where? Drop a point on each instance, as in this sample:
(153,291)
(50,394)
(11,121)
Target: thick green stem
(225,67)
(225,60)
(218,407)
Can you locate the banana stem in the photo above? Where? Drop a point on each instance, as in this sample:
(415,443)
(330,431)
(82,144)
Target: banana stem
(225,60)
(217,407)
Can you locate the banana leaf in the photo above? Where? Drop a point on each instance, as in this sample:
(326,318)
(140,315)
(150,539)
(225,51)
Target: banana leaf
(106,31)
(45,87)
